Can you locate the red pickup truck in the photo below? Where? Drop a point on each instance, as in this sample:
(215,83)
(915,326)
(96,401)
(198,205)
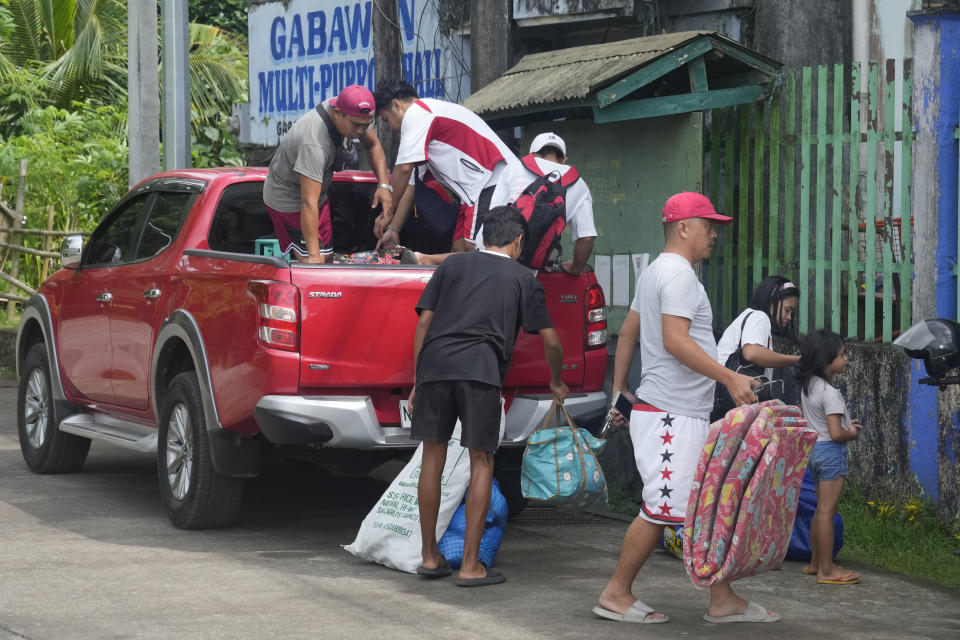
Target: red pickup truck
(168,332)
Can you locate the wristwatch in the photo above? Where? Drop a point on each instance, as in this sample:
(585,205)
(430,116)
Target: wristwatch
(384,185)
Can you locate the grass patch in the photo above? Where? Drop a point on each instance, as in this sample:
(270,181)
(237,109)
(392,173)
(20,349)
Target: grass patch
(901,535)
(7,322)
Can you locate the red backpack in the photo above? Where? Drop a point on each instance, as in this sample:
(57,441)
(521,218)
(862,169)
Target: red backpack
(544,205)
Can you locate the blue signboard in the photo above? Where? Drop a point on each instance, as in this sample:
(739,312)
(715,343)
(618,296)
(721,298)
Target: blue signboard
(303,52)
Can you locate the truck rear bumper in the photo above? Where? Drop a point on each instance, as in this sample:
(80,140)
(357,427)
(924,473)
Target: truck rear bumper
(350,422)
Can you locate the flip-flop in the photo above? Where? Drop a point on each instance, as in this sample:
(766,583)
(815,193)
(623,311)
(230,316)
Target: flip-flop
(638,612)
(806,571)
(848,578)
(442,570)
(754,613)
(494,576)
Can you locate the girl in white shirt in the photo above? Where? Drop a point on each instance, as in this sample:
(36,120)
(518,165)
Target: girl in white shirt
(822,357)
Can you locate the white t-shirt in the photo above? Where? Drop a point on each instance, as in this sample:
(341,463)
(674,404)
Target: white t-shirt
(669,285)
(823,400)
(757,331)
(459,148)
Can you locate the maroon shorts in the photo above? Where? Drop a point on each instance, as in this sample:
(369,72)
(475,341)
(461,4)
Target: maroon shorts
(286,224)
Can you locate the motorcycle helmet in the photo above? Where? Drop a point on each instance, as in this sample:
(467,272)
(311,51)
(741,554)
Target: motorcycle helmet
(936,342)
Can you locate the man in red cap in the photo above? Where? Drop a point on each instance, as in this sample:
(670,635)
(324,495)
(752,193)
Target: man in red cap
(672,318)
(318,144)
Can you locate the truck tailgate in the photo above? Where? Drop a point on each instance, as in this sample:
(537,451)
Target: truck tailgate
(357,325)
(566,305)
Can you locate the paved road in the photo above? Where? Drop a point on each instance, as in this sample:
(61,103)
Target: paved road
(92,556)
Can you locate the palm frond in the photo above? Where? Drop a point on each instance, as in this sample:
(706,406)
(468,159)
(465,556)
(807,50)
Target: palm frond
(58,17)
(27,42)
(218,70)
(82,69)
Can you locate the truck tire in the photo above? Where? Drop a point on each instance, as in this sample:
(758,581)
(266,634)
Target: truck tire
(45,448)
(506,469)
(193,493)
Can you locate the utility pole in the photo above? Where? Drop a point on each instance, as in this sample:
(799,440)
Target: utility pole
(175,52)
(489,41)
(387,55)
(143,93)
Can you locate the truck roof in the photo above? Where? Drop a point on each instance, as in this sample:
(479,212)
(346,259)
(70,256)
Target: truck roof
(211,174)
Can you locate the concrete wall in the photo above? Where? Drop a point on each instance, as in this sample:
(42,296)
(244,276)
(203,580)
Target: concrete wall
(803,33)
(948,450)
(8,349)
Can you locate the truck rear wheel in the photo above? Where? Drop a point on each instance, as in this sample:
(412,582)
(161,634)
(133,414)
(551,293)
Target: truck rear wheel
(506,469)
(45,448)
(193,493)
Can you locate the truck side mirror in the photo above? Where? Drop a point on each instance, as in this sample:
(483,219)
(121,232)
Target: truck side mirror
(70,252)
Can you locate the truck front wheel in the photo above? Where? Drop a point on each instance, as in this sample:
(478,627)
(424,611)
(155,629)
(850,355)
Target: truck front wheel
(45,448)
(193,493)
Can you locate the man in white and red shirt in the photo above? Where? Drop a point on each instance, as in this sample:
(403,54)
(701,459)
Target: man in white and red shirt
(457,146)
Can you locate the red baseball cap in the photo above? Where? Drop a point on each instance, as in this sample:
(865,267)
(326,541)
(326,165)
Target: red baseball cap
(689,204)
(354,100)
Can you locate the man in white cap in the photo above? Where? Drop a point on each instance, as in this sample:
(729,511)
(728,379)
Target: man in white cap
(549,151)
(672,318)
(302,167)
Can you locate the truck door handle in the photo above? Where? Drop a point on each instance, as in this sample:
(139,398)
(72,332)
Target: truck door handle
(105,297)
(151,293)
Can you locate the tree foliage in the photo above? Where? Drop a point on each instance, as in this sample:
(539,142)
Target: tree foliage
(229,15)
(76,164)
(76,161)
(59,52)
(76,47)
(63,103)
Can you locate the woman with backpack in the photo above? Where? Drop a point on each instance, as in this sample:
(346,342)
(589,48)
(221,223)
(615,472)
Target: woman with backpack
(747,344)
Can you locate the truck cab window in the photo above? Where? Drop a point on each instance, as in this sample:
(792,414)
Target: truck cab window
(163,222)
(113,241)
(240,219)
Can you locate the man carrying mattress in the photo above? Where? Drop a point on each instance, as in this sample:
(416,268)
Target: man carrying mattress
(672,317)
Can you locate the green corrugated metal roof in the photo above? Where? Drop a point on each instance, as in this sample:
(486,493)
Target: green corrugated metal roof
(574,74)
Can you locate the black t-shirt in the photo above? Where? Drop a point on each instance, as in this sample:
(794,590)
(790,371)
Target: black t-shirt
(479,300)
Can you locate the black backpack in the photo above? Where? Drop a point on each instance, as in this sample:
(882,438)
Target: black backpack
(544,205)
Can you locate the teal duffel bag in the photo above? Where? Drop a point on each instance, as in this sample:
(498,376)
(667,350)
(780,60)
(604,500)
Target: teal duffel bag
(560,466)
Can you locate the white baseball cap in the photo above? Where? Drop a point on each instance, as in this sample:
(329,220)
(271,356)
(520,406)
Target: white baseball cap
(548,139)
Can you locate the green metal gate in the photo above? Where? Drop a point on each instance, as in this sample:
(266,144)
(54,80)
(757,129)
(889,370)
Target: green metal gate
(818,181)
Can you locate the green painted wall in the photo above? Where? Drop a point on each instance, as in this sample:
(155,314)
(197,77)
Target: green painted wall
(631,167)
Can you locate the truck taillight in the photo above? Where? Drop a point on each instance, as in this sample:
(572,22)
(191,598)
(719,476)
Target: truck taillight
(596,317)
(278,313)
